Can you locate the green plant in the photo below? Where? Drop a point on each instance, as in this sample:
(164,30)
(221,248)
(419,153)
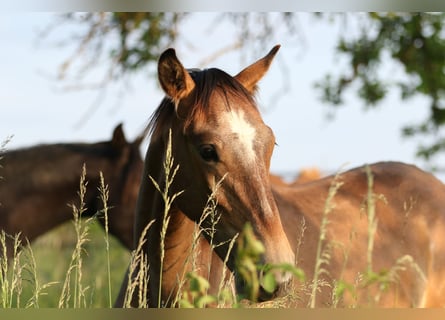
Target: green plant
(254,274)
(197,296)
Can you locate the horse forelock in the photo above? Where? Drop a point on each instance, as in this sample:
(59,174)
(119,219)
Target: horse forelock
(208,82)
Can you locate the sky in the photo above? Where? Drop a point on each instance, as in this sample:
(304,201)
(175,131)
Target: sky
(35,106)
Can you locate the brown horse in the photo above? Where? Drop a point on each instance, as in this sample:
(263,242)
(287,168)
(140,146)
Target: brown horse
(218,135)
(304,175)
(39,183)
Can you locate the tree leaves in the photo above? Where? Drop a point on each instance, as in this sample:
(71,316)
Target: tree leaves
(416,42)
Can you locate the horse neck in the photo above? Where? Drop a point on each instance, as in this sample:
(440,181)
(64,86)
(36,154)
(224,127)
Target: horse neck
(123,193)
(178,238)
(35,199)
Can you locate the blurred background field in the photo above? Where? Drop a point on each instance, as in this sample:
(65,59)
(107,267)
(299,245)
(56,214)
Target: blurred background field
(53,251)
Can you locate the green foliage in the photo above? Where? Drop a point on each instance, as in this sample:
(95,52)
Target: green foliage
(268,281)
(247,261)
(127,40)
(415,41)
(248,266)
(254,274)
(197,296)
(142,36)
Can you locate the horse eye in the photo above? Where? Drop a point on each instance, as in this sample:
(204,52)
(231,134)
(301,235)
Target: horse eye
(208,153)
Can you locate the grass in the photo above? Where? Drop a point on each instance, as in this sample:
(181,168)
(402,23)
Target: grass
(43,280)
(322,255)
(78,265)
(170,174)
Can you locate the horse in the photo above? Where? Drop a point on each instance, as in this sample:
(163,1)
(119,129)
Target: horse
(304,175)
(39,183)
(338,230)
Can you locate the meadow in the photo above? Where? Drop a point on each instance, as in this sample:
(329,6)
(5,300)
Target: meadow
(78,265)
(37,278)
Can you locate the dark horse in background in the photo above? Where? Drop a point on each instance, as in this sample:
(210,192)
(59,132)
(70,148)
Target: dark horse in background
(39,183)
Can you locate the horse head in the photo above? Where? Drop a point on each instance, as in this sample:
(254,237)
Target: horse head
(218,138)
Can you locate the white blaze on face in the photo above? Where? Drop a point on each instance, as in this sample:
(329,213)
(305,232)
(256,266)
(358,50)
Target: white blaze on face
(245,132)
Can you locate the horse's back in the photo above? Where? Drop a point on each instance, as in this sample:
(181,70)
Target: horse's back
(408,244)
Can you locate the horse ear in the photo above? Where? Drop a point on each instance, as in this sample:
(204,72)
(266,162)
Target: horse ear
(250,76)
(118,140)
(173,77)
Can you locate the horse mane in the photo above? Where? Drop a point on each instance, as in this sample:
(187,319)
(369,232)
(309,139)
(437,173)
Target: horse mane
(207,81)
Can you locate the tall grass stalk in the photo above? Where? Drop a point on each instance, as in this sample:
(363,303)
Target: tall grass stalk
(81,228)
(372,221)
(223,283)
(168,199)
(137,275)
(300,240)
(4,143)
(206,224)
(384,278)
(104,196)
(2,149)
(31,268)
(322,257)
(223,292)
(15,273)
(11,270)
(199,286)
